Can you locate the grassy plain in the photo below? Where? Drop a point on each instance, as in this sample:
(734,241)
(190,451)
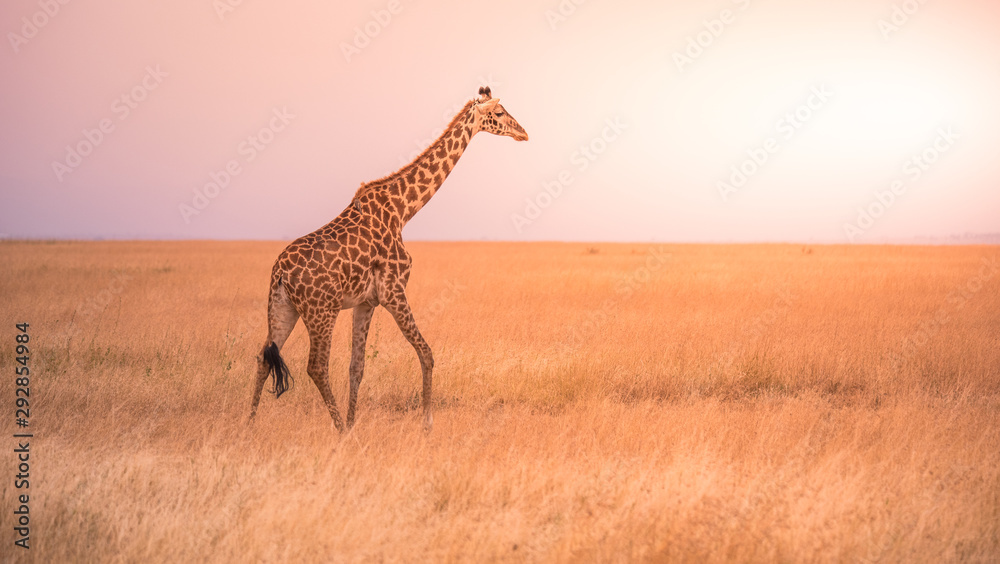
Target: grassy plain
(625,402)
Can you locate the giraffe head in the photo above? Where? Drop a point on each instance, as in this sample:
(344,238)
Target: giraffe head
(491,117)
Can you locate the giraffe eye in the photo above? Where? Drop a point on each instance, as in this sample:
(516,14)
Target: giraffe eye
(498,113)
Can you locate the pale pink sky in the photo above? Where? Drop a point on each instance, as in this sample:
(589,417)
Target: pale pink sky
(667,120)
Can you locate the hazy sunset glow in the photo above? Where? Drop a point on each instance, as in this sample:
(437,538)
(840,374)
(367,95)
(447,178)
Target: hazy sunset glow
(734,120)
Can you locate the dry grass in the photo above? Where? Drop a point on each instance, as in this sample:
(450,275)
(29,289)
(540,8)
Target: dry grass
(594,403)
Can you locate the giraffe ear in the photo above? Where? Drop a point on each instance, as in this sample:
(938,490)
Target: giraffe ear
(487,106)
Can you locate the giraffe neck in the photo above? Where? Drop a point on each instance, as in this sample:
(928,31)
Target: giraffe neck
(411,187)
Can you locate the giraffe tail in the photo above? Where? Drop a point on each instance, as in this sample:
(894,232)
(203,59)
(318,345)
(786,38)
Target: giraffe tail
(278,369)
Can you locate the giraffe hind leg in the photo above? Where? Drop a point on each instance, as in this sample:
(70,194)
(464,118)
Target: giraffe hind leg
(362,323)
(320,325)
(281,319)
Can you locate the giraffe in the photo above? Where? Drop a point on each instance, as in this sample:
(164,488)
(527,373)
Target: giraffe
(358,261)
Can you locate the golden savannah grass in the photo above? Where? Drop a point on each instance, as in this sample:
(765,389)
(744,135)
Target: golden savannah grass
(602,402)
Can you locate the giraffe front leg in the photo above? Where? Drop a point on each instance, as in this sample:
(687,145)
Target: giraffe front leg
(362,322)
(400,310)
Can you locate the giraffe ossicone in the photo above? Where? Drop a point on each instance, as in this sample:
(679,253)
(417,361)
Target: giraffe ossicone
(358,261)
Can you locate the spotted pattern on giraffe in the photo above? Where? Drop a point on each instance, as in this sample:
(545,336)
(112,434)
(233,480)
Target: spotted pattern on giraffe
(358,261)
